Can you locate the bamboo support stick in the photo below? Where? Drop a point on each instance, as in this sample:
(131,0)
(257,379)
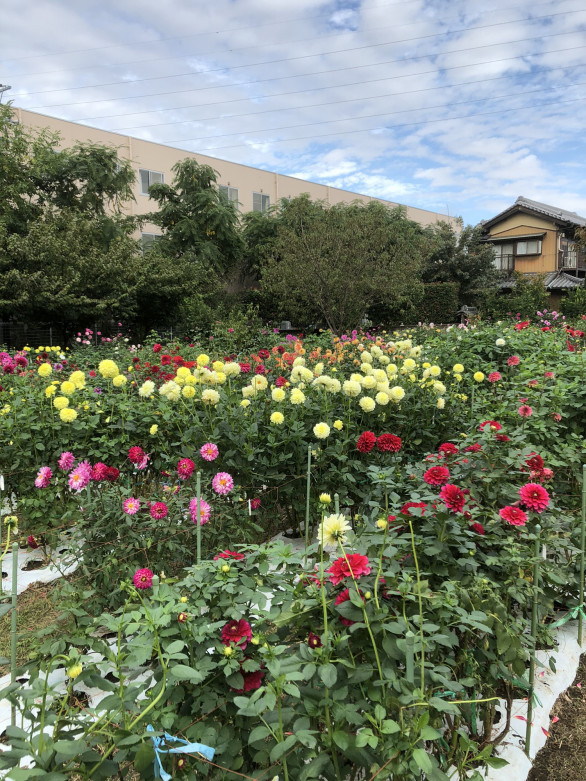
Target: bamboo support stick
(536,564)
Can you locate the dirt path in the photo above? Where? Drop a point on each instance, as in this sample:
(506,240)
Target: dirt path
(563,757)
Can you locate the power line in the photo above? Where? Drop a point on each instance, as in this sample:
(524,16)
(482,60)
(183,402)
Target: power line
(300,57)
(372,116)
(315,73)
(362,98)
(389,127)
(305,39)
(312,89)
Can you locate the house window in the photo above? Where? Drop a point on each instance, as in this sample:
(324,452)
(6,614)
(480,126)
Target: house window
(148,239)
(147,178)
(230,193)
(529,247)
(260,202)
(503,257)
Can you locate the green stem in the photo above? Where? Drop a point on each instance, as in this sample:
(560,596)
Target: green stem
(420,607)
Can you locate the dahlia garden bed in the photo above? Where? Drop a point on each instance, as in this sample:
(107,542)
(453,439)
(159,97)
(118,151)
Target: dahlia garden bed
(308,558)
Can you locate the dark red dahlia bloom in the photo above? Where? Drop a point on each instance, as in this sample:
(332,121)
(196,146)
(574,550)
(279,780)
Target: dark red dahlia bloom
(159,510)
(244,367)
(136,454)
(478,528)
(314,641)
(260,369)
(388,443)
(112,474)
(33,542)
(453,498)
(280,382)
(502,438)
(408,505)
(513,515)
(354,565)
(157,347)
(366,442)
(229,554)
(255,503)
(237,632)
(166,360)
(264,354)
(535,497)
(534,461)
(437,475)
(447,449)
(475,448)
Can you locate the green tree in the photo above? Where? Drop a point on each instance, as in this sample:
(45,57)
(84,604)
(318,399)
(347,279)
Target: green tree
(459,257)
(339,262)
(199,224)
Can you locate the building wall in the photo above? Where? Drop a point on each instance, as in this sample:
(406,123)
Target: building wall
(523,224)
(160,158)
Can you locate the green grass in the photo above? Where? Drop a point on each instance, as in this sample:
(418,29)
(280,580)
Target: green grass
(35,610)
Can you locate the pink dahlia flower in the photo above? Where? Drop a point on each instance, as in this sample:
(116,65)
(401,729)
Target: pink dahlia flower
(80,476)
(143,578)
(44,476)
(159,510)
(237,633)
(222,483)
(437,475)
(66,461)
(514,360)
(185,468)
(255,504)
(535,497)
(204,511)
(99,471)
(131,506)
(209,451)
(494,377)
(525,411)
(513,515)
(453,498)
(493,425)
(353,566)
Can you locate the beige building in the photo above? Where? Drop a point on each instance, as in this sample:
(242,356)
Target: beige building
(251,188)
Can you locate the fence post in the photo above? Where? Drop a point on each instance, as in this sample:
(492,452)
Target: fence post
(410,656)
(537,561)
(198,515)
(307,500)
(336,504)
(582,546)
(1,523)
(13,625)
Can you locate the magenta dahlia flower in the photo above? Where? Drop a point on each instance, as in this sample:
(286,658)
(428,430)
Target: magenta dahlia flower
(143,578)
(136,454)
(204,511)
(159,510)
(209,451)
(185,468)
(66,461)
(80,476)
(535,497)
(99,471)
(44,476)
(222,483)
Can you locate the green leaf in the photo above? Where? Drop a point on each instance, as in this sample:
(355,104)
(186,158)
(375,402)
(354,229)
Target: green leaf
(389,727)
(144,757)
(184,673)
(496,762)
(429,733)
(422,759)
(258,733)
(175,647)
(328,674)
(341,739)
(69,748)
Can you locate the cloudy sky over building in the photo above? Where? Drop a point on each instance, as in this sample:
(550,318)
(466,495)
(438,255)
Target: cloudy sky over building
(456,107)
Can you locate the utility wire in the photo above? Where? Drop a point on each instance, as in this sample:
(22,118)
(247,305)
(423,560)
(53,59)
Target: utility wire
(315,73)
(304,40)
(351,100)
(302,57)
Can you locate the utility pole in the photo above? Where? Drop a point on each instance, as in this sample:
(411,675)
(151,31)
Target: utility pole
(4,88)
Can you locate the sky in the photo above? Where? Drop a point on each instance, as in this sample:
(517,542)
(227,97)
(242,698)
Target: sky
(456,106)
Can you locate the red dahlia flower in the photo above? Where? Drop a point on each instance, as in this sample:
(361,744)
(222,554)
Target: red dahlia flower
(280,382)
(447,449)
(166,360)
(366,442)
(513,515)
(112,474)
(453,498)
(136,454)
(143,578)
(237,632)
(252,681)
(437,475)
(478,528)
(502,438)
(388,443)
(408,505)
(492,424)
(342,597)
(535,497)
(475,448)
(229,554)
(264,354)
(99,471)
(354,565)
(185,468)
(534,461)
(314,641)
(159,510)
(157,347)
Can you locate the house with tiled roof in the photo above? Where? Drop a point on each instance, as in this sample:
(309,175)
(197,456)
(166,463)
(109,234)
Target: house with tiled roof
(534,239)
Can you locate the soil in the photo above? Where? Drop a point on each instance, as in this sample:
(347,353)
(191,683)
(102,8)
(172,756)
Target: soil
(562,757)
